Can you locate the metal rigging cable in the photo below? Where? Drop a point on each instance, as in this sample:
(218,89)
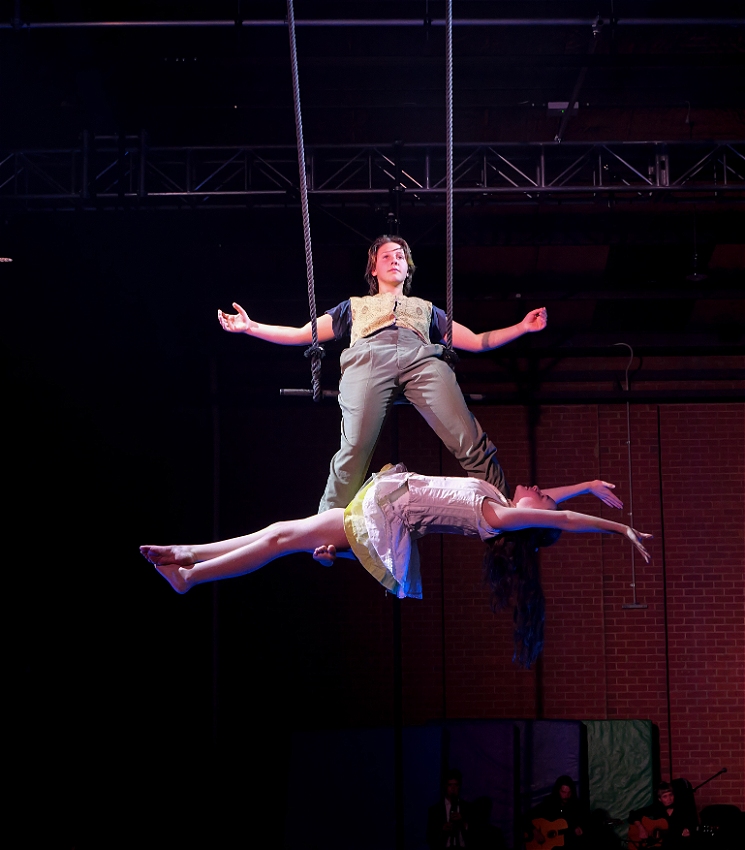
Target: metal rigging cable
(449,355)
(449,165)
(315,352)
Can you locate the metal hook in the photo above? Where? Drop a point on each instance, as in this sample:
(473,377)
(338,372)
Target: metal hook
(634,603)
(628,365)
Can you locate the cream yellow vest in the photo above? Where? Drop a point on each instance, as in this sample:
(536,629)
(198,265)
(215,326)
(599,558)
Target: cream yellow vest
(371,313)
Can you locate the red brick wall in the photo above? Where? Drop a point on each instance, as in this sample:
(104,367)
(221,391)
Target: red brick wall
(603,660)
(702,485)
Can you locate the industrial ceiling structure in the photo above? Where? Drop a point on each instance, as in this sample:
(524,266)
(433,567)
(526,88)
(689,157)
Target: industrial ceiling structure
(599,147)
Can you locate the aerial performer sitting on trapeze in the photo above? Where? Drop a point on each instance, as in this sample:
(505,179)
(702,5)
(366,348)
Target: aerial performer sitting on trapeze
(388,515)
(395,349)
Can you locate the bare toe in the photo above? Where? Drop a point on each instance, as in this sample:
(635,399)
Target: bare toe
(158,555)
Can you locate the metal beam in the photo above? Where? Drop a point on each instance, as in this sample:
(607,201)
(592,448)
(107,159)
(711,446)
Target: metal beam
(381,22)
(104,172)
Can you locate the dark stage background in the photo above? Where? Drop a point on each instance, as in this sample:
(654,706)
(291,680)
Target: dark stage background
(115,389)
(141,717)
(133,418)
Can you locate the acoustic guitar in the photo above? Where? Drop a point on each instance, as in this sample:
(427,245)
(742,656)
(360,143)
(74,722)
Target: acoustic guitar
(655,830)
(552,832)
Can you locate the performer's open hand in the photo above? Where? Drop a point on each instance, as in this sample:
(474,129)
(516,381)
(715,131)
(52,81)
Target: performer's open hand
(636,538)
(325,555)
(602,489)
(536,320)
(235,323)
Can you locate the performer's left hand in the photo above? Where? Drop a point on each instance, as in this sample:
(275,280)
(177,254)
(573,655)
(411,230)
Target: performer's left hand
(602,489)
(536,320)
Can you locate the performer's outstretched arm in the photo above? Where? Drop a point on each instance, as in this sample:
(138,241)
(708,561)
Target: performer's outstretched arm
(601,489)
(240,323)
(513,519)
(466,340)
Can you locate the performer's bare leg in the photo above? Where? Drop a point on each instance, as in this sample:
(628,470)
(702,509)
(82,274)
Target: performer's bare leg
(187,554)
(192,565)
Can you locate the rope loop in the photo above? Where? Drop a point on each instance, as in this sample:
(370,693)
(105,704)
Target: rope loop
(450,356)
(315,350)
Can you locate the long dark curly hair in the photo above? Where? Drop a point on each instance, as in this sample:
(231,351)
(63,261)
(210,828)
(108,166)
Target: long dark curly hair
(511,571)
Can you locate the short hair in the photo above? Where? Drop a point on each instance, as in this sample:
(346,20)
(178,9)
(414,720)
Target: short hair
(452,775)
(372,260)
(663,787)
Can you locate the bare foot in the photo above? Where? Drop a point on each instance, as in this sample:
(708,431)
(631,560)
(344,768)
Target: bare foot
(325,555)
(160,555)
(173,574)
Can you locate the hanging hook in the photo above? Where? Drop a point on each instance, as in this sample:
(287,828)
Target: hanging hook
(634,603)
(628,365)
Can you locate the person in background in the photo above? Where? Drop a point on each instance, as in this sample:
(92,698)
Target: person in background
(561,813)
(448,820)
(665,824)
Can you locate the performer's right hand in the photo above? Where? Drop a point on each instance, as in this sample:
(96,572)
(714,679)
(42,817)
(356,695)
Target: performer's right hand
(636,538)
(235,323)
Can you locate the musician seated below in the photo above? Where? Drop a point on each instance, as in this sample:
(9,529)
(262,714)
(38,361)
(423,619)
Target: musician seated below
(664,824)
(558,820)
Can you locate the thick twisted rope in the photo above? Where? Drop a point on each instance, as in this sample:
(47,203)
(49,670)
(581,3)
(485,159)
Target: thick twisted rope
(449,164)
(315,352)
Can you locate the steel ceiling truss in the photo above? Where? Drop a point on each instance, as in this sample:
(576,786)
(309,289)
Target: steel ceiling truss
(106,172)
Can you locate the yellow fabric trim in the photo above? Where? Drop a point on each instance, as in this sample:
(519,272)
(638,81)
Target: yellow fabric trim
(356,530)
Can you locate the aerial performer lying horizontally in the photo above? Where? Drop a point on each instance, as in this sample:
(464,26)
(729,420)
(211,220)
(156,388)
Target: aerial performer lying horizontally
(382,523)
(395,349)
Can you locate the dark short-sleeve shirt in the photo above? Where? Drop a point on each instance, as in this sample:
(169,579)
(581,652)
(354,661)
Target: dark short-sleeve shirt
(341,322)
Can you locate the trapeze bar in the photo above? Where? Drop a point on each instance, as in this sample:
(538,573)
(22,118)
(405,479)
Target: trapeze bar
(301,393)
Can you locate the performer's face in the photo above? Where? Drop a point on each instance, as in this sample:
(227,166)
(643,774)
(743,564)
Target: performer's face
(565,793)
(667,798)
(390,264)
(453,789)
(533,497)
